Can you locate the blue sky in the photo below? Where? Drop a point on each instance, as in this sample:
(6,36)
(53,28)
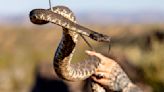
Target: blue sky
(9,7)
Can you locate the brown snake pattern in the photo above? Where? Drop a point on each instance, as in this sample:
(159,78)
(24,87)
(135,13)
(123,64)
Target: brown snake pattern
(64,17)
(42,16)
(67,45)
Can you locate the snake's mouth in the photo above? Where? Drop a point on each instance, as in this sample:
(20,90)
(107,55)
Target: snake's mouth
(35,20)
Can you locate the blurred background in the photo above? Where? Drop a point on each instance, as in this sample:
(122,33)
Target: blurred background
(27,50)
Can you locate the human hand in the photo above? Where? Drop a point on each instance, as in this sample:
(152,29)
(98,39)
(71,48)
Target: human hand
(109,73)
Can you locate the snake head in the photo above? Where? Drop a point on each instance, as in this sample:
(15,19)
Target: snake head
(99,37)
(34,17)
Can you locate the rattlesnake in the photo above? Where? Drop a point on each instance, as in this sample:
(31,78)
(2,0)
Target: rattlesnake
(64,17)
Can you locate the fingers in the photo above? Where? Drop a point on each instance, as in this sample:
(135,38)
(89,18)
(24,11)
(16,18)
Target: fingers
(102,81)
(101,75)
(104,60)
(93,53)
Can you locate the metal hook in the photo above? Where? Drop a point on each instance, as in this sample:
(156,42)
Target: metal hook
(50,5)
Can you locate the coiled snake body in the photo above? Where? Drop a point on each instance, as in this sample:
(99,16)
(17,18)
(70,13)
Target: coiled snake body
(66,46)
(64,17)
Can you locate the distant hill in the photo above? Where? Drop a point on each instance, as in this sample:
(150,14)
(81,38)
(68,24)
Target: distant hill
(134,17)
(15,19)
(100,17)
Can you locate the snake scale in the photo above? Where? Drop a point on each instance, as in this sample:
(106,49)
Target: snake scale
(65,18)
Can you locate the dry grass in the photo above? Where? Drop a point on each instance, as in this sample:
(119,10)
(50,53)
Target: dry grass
(22,48)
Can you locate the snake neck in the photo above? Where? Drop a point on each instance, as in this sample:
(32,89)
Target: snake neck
(64,53)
